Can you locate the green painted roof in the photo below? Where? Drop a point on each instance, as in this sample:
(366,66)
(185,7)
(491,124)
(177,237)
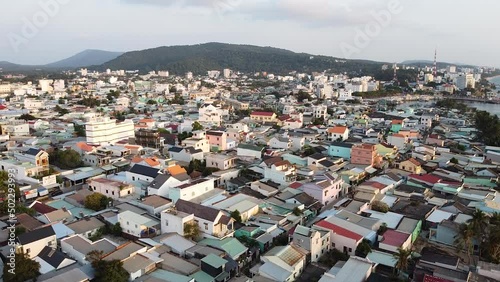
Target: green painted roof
(201,276)
(214,261)
(170,276)
(229,245)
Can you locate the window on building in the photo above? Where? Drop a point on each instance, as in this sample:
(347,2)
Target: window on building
(166,222)
(206,226)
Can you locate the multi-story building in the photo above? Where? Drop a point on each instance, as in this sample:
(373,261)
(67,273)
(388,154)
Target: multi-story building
(220,161)
(364,154)
(217,140)
(103,131)
(315,241)
(465,81)
(210,115)
(325,190)
(320,111)
(279,171)
(36,157)
(191,190)
(213,223)
(149,138)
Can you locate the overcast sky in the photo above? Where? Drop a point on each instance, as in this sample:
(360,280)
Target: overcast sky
(462,30)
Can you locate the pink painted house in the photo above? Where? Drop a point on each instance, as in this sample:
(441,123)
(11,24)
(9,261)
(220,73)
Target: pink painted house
(217,140)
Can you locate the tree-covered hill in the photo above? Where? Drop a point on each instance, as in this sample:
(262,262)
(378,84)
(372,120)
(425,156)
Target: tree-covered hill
(246,58)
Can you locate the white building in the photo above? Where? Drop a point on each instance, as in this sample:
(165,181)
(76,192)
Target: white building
(111,188)
(191,190)
(138,225)
(345,94)
(465,81)
(210,114)
(104,131)
(279,267)
(315,241)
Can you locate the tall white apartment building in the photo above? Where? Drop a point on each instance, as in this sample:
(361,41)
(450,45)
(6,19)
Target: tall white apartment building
(104,131)
(465,80)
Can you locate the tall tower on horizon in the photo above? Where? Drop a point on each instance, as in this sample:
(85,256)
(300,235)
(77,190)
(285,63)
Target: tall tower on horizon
(395,67)
(434,71)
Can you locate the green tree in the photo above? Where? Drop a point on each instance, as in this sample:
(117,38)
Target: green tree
(80,130)
(363,249)
(382,229)
(296,211)
(302,95)
(463,241)
(94,256)
(492,244)
(112,270)
(163,130)
(402,259)
(96,201)
(454,160)
(116,229)
(67,159)
(61,111)
(488,128)
(479,223)
(26,269)
(152,102)
(197,126)
(191,230)
(236,215)
(27,117)
(380,206)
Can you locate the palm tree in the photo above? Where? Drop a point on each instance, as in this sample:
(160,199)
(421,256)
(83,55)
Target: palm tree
(402,259)
(495,219)
(479,223)
(463,240)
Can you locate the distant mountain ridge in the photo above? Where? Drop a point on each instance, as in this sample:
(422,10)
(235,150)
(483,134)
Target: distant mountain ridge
(83,59)
(217,56)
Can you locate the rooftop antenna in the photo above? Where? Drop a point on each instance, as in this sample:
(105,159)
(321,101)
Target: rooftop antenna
(434,71)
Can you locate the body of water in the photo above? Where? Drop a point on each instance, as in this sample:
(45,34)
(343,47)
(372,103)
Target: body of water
(496,80)
(493,109)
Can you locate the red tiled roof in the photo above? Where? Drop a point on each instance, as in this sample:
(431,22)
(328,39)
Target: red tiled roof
(339,230)
(2,107)
(267,114)
(42,208)
(429,178)
(394,238)
(337,129)
(295,185)
(375,184)
(284,117)
(396,121)
(429,278)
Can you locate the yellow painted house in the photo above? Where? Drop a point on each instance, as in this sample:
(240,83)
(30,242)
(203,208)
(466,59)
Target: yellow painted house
(411,165)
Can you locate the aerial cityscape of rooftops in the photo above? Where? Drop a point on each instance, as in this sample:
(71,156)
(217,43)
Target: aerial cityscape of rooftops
(356,157)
